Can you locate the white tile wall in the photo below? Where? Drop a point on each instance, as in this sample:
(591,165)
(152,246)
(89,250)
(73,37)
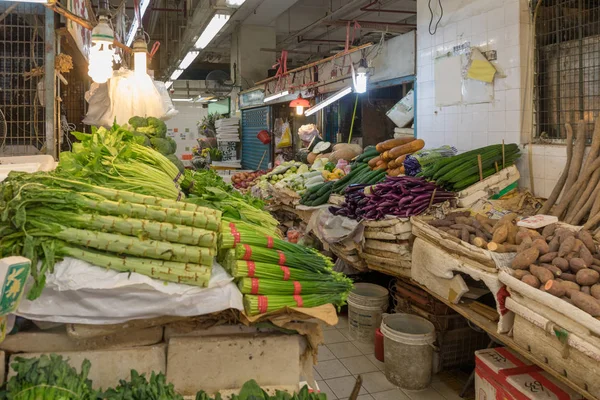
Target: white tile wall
(501,25)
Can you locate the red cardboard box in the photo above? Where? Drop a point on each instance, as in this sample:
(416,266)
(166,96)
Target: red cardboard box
(501,374)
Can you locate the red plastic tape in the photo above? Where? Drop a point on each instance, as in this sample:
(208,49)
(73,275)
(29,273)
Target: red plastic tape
(251,268)
(247,253)
(281,257)
(237,238)
(269,242)
(263,304)
(286,273)
(254,286)
(298,300)
(297,288)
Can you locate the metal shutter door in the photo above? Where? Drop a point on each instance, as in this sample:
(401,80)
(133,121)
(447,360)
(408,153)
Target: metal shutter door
(254,121)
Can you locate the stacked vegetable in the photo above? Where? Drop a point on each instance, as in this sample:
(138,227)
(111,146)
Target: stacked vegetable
(154,132)
(45,218)
(393,152)
(461,171)
(360,173)
(561,262)
(206,188)
(48,378)
(245,180)
(139,388)
(117,159)
(400,196)
(274,274)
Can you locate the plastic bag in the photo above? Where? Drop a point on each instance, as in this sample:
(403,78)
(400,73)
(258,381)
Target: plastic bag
(308,132)
(286,138)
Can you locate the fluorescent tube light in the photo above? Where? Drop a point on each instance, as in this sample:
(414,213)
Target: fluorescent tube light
(213,101)
(276,96)
(328,101)
(211,30)
(176,74)
(235,3)
(136,24)
(185,100)
(188,59)
(168,84)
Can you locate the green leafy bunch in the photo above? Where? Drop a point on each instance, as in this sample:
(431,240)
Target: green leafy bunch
(252,391)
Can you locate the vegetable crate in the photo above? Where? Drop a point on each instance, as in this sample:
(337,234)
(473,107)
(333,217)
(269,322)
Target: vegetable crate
(491,185)
(387,246)
(557,333)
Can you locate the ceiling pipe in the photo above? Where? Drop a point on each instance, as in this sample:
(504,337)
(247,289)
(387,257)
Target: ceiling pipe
(372,3)
(302,39)
(383,26)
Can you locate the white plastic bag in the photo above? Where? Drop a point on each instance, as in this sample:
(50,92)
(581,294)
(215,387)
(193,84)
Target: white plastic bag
(78,292)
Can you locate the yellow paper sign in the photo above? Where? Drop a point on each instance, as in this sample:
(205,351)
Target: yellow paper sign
(481,70)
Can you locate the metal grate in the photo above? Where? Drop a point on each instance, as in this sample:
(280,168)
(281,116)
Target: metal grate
(21,51)
(567,62)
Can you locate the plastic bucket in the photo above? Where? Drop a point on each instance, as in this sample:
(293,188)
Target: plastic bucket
(408,350)
(366,305)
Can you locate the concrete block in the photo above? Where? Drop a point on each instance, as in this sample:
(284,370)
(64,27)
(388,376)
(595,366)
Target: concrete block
(109,366)
(58,340)
(218,363)
(183,330)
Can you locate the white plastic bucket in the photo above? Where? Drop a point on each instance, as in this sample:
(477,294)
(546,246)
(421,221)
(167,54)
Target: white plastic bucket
(408,348)
(366,304)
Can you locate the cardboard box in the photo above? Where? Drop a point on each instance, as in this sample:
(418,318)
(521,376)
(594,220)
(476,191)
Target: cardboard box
(501,374)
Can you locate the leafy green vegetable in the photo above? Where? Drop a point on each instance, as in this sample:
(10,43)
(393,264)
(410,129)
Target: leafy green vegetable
(48,378)
(252,391)
(163,146)
(177,162)
(138,388)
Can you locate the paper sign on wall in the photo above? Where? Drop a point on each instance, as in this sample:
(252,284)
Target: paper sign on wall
(448,80)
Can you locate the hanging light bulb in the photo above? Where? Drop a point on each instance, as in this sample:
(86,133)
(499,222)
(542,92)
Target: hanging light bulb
(102,51)
(140,51)
(360,81)
(300,103)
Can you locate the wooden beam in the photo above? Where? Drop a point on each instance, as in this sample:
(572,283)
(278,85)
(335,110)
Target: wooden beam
(313,64)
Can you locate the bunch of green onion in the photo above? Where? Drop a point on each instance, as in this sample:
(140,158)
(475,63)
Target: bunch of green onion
(270,286)
(233,234)
(260,304)
(241,269)
(308,262)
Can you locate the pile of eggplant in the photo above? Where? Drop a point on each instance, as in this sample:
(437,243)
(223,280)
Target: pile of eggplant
(399,196)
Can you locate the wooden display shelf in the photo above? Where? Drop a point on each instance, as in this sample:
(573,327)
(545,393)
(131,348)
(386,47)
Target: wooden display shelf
(490,327)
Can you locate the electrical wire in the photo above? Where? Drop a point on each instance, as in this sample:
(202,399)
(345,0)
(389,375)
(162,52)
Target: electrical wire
(431,20)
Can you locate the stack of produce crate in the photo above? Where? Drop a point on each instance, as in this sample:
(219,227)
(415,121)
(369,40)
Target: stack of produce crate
(387,246)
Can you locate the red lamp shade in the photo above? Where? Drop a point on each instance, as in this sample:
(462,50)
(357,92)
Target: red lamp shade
(300,102)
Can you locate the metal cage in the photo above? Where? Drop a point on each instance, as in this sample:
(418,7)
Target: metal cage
(22,87)
(567,62)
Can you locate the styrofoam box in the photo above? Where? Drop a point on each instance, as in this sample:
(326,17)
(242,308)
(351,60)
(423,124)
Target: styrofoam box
(501,374)
(25,164)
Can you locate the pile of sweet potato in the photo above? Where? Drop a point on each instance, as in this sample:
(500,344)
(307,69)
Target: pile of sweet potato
(561,262)
(499,235)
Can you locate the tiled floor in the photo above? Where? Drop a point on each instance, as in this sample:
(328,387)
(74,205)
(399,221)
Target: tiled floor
(341,360)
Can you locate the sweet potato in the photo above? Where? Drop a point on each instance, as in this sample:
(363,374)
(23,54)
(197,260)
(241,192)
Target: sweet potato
(479,242)
(520,273)
(440,222)
(571,255)
(541,273)
(586,302)
(512,233)
(595,291)
(455,214)
(586,255)
(577,246)
(560,263)
(554,288)
(554,245)
(586,237)
(568,285)
(563,234)
(548,230)
(552,268)
(531,281)
(483,234)
(526,243)
(506,219)
(464,234)
(485,220)
(521,235)
(500,234)
(549,257)
(464,220)
(594,267)
(586,290)
(469,228)
(525,258)
(502,248)
(566,246)
(568,300)
(568,277)
(587,277)
(596,261)
(577,264)
(541,245)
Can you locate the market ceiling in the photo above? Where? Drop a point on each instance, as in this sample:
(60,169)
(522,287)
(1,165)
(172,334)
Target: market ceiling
(307,29)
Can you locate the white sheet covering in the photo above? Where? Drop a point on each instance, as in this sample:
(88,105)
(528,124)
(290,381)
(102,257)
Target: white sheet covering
(78,292)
